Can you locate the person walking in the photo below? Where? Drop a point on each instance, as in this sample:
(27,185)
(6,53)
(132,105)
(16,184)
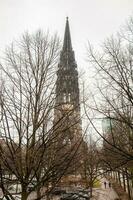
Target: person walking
(105,184)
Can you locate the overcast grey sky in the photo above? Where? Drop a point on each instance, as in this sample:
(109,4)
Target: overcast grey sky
(91,20)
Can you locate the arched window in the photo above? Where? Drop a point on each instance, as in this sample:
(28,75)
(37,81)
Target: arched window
(67,141)
(64,84)
(64,97)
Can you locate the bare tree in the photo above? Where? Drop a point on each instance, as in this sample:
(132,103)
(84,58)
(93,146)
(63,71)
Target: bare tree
(92,164)
(28,147)
(114,72)
(114,99)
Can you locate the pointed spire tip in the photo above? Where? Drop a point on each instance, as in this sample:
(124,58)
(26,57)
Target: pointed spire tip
(67,37)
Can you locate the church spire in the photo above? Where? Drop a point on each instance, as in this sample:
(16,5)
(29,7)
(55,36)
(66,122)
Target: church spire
(67,89)
(67,45)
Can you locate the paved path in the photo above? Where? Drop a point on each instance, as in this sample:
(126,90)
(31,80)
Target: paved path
(104,193)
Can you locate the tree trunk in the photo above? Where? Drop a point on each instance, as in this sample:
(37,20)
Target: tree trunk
(119,178)
(90,191)
(128,186)
(91,187)
(24,193)
(124,184)
(38,193)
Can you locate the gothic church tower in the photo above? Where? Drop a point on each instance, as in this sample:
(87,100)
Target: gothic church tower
(67,104)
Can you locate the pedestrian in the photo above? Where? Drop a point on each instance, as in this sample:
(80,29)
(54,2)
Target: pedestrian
(109,185)
(105,184)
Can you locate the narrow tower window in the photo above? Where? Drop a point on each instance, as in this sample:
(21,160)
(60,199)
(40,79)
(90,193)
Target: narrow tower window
(69,97)
(64,97)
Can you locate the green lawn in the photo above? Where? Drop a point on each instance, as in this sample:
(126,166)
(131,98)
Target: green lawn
(97,184)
